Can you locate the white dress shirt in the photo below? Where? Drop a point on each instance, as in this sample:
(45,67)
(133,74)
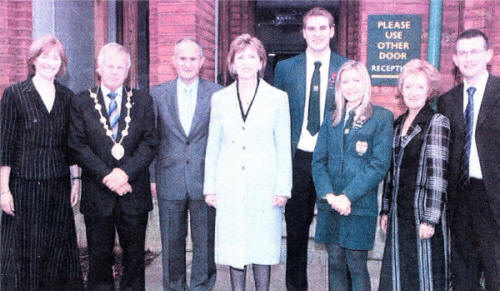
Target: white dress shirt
(307,142)
(474,164)
(186,101)
(107,99)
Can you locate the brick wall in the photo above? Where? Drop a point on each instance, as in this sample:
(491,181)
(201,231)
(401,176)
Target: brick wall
(457,16)
(15,38)
(170,20)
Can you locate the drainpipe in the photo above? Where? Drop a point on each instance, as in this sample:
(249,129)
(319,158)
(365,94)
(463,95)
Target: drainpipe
(434,44)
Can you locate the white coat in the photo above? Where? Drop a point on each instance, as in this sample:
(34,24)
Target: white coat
(246,165)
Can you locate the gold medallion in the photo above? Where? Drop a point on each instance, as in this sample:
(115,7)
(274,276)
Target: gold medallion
(117,151)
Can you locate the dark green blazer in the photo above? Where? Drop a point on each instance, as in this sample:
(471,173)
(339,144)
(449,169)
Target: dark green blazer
(290,76)
(355,169)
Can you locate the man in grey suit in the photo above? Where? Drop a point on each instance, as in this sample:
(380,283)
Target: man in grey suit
(182,108)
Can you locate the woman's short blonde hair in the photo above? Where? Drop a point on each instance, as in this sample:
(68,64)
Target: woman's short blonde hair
(42,44)
(240,43)
(417,66)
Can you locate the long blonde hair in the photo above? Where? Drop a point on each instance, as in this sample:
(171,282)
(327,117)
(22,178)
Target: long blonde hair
(365,108)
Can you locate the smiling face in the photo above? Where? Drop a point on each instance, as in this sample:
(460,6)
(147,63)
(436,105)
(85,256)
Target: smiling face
(317,32)
(352,87)
(247,63)
(471,58)
(415,91)
(113,69)
(188,61)
(48,63)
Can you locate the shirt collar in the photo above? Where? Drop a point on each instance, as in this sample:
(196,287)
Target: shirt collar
(106,91)
(181,86)
(324,59)
(481,83)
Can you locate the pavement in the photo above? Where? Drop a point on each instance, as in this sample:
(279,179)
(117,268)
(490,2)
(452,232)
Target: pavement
(317,273)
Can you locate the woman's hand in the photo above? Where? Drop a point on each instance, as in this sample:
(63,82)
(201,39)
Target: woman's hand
(342,204)
(7,202)
(426,231)
(279,201)
(75,192)
(211,200)
(383,222)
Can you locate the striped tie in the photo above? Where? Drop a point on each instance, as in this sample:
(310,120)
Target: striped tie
(468,130)
(113,114)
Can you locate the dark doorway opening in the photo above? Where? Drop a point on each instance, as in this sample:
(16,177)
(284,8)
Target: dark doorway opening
(278,24)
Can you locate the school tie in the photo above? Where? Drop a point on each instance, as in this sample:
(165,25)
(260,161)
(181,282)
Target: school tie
(313,119)
(113,115)
(468,129)
(349,122)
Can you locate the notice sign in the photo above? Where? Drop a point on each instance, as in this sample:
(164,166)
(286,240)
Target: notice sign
(393,40)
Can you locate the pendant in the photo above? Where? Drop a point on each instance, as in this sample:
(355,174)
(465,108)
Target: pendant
(117,151)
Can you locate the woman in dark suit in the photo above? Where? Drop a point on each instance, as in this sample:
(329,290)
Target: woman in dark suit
(38,238)
(413,212)
(351,158)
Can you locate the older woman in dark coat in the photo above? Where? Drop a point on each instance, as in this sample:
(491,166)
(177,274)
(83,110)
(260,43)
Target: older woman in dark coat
(413,204)
(38,239)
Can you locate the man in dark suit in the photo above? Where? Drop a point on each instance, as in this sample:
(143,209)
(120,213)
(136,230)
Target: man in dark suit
(473,108)
(113,139)
(309,81)
(182,107)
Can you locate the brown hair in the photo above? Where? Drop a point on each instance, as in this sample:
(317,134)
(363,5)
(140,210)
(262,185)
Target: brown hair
(417,66)
(318,11)
(240,43)
(42,44)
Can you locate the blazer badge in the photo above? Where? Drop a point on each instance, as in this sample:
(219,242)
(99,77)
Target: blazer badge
(361,147)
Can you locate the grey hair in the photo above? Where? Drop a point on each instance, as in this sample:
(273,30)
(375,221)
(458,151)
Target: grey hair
(188,39)
(112,47)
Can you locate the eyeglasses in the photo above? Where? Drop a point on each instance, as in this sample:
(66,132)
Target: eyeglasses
(472,53)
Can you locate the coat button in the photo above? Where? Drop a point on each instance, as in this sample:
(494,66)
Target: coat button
(187,162)
(244,147)
(243,127)
(187,142)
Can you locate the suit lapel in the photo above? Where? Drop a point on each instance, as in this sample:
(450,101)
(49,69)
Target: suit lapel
(330,91)
(490,97)
(200,98)
(300,74)
(104,112)
(173,106)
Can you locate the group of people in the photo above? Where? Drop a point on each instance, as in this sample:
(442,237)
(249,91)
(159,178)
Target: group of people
(234,159)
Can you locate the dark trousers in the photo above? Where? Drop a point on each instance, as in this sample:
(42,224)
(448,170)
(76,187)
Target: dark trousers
(101,240)
(475,242)
(299,212)
(173,225)
(343,262)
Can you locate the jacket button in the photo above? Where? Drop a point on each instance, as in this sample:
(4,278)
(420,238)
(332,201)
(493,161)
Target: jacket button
(244,147)
(243,167)
(243,127)
(187,142)
(187,162)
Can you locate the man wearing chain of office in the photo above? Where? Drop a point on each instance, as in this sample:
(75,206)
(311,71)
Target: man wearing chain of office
(113,139)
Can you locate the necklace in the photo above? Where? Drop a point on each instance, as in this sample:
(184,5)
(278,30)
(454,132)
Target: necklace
(117,151)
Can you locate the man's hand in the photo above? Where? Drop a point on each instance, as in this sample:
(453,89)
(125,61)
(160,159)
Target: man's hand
(115,179)
(211,200)
(7,202)
(124,189)
(75,192)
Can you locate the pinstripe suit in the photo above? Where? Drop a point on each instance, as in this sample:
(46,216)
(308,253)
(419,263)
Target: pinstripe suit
(39,249)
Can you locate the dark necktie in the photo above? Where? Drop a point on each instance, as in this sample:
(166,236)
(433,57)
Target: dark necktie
(468,129)
(113,114)
(313,119)
(349,122)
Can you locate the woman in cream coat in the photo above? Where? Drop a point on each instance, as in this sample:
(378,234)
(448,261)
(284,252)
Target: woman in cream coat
(248,166)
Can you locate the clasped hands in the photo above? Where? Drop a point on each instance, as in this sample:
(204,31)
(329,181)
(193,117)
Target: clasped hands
(117,181)
(339,203)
